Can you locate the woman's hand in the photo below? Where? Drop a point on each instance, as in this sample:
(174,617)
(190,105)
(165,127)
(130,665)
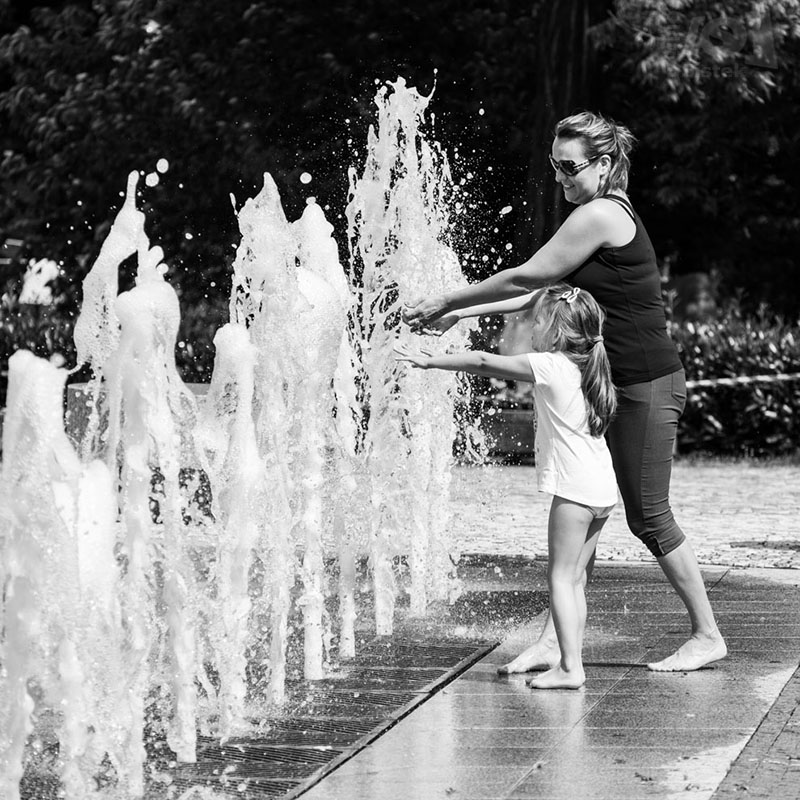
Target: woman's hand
(438,326)
(402,352)
(420,315)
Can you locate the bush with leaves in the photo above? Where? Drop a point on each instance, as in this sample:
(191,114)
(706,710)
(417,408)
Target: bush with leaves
(732,418)
(711,89)
(47,331)
(754,418)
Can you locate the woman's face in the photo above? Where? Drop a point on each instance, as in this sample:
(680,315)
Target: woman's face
(584,186)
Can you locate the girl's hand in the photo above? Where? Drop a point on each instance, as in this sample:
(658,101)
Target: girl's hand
(418,316)
(403,353)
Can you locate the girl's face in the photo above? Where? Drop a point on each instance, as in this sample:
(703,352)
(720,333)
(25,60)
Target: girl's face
(585,185)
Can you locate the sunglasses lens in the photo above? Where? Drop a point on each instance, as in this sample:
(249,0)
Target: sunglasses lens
(567,167)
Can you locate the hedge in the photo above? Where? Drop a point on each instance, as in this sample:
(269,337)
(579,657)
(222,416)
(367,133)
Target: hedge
(744,419)
(760,418)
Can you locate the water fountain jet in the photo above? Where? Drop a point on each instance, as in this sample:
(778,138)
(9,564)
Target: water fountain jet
(310,439)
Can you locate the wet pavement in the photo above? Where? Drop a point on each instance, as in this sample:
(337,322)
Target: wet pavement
(629,733)
(731,730)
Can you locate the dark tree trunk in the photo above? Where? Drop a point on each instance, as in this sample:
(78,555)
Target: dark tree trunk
(567,72)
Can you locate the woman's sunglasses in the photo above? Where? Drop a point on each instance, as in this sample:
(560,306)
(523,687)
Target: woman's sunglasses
(570,168)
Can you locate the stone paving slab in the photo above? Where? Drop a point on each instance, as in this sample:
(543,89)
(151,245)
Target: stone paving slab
(769,766)
(629,733)
(735,514)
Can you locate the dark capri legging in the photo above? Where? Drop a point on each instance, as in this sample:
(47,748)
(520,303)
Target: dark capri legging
(641,439)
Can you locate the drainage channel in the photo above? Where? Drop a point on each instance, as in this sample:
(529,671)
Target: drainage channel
(329,722)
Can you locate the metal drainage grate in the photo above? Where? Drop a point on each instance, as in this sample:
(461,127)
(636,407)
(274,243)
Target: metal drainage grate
(406,654)
(251,789)
(255,751)
(327,722)
(382,678)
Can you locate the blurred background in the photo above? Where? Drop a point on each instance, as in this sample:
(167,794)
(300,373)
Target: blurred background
(226,90)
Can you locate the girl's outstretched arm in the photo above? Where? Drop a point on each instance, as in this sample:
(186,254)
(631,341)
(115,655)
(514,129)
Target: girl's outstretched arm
(475,362)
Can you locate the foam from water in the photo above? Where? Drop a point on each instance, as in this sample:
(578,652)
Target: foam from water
(189,536)
(398,218)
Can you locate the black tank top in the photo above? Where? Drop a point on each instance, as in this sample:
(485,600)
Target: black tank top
(626,282)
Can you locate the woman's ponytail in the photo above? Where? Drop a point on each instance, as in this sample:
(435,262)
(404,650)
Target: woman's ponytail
(601,136)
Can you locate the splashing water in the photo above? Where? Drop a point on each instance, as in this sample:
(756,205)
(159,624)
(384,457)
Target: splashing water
(143,577)
(36,288)
(61,613)
(398,226)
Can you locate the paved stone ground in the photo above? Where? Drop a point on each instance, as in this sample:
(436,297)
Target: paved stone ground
(717,734)
(769,766)
(735,514)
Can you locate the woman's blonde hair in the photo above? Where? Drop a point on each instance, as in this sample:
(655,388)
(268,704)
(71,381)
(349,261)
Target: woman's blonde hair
(601,136)
(574,326)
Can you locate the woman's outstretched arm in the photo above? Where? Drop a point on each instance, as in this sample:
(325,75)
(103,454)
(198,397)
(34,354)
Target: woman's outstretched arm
(585,231)
(510,305)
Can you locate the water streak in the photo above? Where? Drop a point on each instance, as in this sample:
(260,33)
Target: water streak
(152,583)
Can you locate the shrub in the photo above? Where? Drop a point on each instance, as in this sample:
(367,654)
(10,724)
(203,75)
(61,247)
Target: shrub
(732,418)
(740,418)
(47,331)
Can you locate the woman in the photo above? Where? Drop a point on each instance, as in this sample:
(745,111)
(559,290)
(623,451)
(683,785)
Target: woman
(603,247)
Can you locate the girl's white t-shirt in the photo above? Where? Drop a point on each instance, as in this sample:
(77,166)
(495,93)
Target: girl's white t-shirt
(570,462)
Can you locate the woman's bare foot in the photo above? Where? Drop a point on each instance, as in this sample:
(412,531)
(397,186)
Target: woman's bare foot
(540,655)
(558,678)
(696,652)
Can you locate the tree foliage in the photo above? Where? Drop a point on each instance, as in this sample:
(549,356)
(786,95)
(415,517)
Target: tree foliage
(228,89)
(95,89)
(711,88)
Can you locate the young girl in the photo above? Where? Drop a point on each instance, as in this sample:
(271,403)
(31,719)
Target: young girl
(575,401)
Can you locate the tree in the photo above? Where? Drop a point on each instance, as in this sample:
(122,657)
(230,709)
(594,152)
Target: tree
(715,104)
(90,90)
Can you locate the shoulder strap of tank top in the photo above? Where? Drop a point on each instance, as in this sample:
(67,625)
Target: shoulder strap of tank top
(622,201)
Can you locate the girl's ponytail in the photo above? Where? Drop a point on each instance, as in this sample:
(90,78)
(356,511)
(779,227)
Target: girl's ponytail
(598,388)
(575,328)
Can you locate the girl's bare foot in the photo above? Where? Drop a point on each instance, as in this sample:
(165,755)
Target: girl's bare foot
(540,655)
(692,654)
(558,678)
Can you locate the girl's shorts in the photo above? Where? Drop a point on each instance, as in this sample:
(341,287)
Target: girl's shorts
(600,512)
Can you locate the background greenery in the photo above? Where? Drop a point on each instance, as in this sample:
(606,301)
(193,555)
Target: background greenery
(229,89)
